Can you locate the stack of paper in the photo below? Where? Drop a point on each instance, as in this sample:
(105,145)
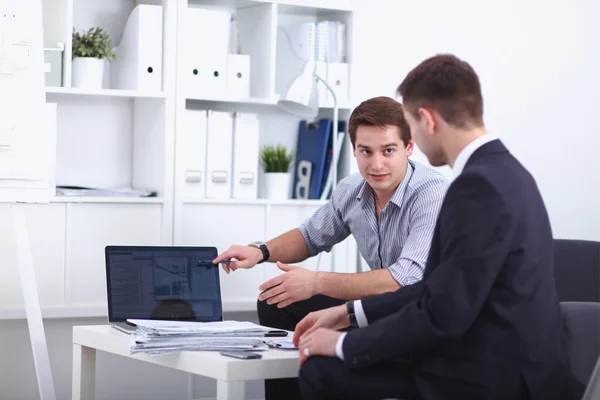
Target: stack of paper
(160,337)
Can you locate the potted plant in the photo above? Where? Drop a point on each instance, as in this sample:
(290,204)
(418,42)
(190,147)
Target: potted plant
(276,161)
(90,51)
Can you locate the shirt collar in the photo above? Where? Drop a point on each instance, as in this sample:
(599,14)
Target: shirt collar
(468,151)
(400,190)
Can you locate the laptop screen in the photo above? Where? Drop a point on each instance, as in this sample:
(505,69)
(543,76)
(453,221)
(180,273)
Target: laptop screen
(170,283)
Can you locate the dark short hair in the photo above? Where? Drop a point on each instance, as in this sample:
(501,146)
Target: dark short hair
(447,85)
(379,111)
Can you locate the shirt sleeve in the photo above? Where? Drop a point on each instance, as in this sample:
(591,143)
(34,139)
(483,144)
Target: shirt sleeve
(325,228)
(359,312)
(409,267)
(339,349)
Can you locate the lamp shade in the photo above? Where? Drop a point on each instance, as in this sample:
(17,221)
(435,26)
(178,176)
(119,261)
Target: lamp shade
(302,97)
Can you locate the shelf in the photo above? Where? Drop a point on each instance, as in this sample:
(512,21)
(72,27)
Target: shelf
(250,101)
(128,94)
(260,102)
(290,202)
(127,200)
(293,5)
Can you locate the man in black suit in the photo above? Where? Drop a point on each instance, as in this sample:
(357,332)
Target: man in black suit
(485,322)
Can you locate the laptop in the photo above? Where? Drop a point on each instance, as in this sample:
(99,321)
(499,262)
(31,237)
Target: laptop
(162,282)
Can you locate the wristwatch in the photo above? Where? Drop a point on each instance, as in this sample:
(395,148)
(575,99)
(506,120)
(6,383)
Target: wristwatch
(263,247)
(351,314)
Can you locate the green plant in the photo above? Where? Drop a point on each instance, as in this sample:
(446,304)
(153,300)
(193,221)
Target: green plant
(93,43)
(275,158)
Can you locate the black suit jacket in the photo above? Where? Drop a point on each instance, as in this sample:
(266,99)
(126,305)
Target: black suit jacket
(485,321)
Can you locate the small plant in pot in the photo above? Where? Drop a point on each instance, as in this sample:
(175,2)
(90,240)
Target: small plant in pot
(91,49)
(276,161)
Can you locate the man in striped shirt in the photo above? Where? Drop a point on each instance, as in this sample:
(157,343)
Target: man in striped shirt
(390,208)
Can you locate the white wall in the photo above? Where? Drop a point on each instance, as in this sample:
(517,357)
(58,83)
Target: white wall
(538,62)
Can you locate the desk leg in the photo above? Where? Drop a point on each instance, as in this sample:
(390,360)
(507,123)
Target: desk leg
(84,373)
(230,390)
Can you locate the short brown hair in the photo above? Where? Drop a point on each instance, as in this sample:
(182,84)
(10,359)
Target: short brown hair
(379,111)
(447,85)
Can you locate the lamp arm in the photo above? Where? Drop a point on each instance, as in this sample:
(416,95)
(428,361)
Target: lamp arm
(334,160)
(317,77)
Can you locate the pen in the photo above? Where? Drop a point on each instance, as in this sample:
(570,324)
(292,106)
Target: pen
(211,261)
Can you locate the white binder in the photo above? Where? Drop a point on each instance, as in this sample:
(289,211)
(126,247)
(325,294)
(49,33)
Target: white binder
(194,154)
(336,75)
(205,51)
(139,55)
(219,155)
(245,156)
(238,76)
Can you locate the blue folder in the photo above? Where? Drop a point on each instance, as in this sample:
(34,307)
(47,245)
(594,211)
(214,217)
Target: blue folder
(313,141)
(341,128)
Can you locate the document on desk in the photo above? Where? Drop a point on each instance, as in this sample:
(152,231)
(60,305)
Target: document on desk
(198,328)
(160,337)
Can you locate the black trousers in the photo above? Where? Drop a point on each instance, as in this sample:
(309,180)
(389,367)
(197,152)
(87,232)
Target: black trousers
(326,378)
(287,318)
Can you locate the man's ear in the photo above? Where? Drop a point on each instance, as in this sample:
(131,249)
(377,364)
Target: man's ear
(429,119)
(410,147)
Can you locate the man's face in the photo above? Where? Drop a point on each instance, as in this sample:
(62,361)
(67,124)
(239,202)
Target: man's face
(381,156)
(425,141)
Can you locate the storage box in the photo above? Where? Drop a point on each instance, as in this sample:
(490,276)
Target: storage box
(53,63)
(238,76)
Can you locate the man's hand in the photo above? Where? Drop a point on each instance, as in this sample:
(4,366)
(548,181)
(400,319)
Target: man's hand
(331,318)
(296,284)
(321,342)
(245,257)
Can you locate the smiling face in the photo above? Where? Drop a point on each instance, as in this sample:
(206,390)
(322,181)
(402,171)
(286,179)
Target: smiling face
(382,157)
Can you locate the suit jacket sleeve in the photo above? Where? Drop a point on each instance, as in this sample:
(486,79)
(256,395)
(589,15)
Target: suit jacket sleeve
(475,229)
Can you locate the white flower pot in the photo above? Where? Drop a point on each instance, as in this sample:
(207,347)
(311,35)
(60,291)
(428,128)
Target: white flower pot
(277,185)
(88,72)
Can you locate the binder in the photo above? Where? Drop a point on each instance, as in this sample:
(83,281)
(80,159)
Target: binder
(337,78)
(139,55)
(238,76)
(219,155)
(327,178)
(313,140)
(245,156)
(336,75)
(206,42)
(194,154)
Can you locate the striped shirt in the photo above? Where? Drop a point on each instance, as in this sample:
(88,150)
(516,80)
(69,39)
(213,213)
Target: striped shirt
(399,239)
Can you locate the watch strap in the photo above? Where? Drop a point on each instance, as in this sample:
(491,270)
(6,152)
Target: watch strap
(351,314)
(262,246)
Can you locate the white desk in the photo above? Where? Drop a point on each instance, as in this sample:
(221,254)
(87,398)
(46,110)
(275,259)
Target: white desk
(230,373)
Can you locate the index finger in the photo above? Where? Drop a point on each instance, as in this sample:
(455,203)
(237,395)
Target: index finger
(301,328)
(226,255)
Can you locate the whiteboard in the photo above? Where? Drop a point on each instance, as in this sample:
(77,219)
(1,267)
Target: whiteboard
(27,123)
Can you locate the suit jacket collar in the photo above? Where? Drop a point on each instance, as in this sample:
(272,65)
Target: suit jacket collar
(466,153)
(493,147)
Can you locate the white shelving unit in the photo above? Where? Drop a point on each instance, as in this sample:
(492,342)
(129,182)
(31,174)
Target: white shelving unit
(225,222)
(113,138)
(107,93)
